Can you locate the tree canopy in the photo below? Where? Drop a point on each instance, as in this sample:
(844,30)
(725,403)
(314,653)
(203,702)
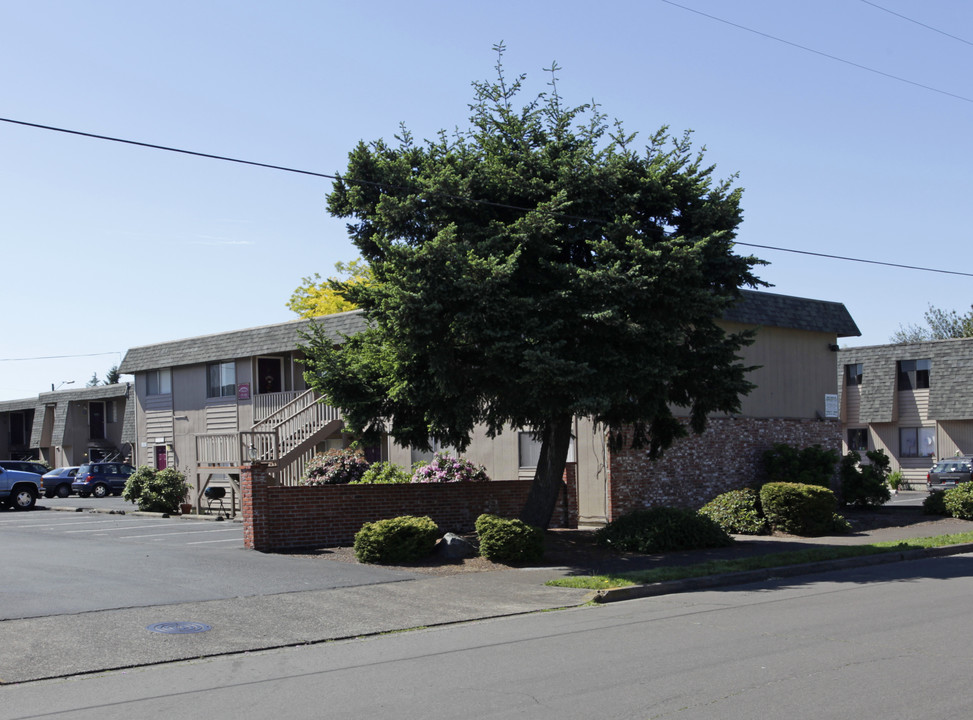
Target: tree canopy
(316,297)
(940,325)
(532,268)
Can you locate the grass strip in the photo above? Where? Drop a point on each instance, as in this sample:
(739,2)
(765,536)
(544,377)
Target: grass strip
(758,562)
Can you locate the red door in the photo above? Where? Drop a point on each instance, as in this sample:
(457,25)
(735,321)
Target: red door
(161,457)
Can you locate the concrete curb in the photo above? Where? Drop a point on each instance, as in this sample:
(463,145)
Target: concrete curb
(750,576)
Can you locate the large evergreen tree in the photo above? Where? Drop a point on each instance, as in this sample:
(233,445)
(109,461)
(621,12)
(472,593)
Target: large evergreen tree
(535,267)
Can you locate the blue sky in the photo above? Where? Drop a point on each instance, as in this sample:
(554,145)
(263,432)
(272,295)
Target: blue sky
(109,246)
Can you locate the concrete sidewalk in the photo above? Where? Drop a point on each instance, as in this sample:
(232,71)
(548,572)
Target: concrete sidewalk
(65,645)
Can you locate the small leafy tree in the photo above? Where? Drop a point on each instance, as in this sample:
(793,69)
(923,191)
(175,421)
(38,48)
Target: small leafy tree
(156,490)
(316,297)
(813,465)
(865,485)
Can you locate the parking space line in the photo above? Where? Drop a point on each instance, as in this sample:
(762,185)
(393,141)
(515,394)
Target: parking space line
(129,527)
(180,532)
(207,542)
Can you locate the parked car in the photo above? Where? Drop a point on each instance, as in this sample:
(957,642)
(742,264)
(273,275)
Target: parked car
(24,466)
(18,489)
(58,481)
(101,479)
(949,473)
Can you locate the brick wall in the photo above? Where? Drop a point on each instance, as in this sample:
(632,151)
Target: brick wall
(696,469)
(279,517)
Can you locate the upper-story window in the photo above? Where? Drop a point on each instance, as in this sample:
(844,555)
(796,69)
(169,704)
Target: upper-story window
(158,382)
(913,374)
(221,379)
(853,374)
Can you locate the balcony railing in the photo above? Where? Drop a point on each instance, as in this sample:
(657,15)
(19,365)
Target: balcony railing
(266,404)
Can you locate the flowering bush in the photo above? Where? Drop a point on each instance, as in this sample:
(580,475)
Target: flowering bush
(445,468)
(335,467)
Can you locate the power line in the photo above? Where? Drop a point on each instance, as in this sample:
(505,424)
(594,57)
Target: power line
(858,260)
(283,168)
(921,24)
(59,357)
(819,52)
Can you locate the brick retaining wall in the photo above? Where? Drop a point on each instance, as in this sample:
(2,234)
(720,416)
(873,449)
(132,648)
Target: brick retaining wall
(278,517)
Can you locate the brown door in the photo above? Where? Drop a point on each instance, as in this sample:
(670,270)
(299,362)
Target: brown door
(270,375)
(96,420)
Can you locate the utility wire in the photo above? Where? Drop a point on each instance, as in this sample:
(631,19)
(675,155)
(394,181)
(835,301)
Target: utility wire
(818,52)
(59,357)
(921,24)
(283,168)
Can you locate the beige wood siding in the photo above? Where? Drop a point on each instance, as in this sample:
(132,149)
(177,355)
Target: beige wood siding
(912,407)
(954,436)
(221,418)
(852,398)
(796,370)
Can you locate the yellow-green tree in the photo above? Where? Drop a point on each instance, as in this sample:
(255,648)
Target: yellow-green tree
(316,297)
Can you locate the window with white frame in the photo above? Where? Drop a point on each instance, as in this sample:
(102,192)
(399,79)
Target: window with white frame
(917,442)
(158,382)
(529,449)
(221,379)
(427,455)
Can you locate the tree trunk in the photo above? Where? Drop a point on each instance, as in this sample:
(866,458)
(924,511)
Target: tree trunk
(548,477)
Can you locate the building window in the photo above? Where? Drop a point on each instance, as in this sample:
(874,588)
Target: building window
(917,442)
(853,374)
(110,412)
(427,456)
(221,379)
(913,374)
(158,382)
(529,449)
(858,439)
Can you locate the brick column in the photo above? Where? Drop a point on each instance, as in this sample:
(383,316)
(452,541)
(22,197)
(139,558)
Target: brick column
(253,485)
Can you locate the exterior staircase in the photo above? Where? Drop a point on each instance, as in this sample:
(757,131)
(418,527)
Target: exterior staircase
(286,439)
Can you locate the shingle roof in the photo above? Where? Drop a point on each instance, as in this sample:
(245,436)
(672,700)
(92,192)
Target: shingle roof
(786,311)
(15,405)
(283,337)
(755,308)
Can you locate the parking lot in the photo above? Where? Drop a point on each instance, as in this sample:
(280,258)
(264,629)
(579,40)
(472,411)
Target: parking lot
(60,562)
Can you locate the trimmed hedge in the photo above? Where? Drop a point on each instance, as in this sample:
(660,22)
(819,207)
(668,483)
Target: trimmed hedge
(737,512)
(154,490)
(506,540)
(397,540)
(800,509)
(935,503)
(383,473)
(662,529)
(810,466)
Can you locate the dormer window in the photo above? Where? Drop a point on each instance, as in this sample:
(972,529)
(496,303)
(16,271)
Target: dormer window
(914,374)
(853,374)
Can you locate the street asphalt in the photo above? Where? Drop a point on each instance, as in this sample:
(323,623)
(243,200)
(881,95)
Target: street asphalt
(56,646)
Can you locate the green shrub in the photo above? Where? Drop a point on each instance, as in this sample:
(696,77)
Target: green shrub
(156,490)
(397,540)
(383,473)
(506,540)
(896,479)
(799,509)
(865,485)
(335,467)
(662,529)
(809,466)
(958,501)
(737,511)
(935,503)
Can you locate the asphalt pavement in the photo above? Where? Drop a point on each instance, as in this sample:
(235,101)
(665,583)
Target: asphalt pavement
(37,648)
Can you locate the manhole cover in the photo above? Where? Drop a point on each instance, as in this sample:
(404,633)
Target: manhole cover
(178,628)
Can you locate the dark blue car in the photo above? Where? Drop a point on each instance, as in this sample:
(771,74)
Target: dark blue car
(101,479)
